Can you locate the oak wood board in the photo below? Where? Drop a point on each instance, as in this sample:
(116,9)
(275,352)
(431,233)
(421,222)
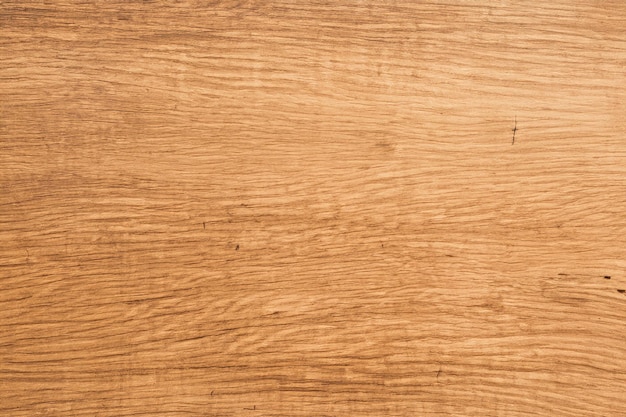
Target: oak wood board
(304,208)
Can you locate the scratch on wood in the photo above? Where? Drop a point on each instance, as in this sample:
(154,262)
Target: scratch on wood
(514,130)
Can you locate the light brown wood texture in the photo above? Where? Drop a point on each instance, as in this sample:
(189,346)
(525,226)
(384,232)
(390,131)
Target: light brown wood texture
(246,208)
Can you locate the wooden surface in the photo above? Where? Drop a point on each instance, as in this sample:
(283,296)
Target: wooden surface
(246,208)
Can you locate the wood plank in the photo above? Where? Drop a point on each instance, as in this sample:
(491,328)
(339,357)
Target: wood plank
(235,208)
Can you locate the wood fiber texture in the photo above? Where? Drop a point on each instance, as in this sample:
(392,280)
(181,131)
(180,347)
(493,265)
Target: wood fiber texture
(325,209)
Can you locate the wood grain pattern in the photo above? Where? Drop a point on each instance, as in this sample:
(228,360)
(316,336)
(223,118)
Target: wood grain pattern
(237,208)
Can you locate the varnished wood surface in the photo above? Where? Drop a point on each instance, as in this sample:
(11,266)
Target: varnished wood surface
(247,208)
